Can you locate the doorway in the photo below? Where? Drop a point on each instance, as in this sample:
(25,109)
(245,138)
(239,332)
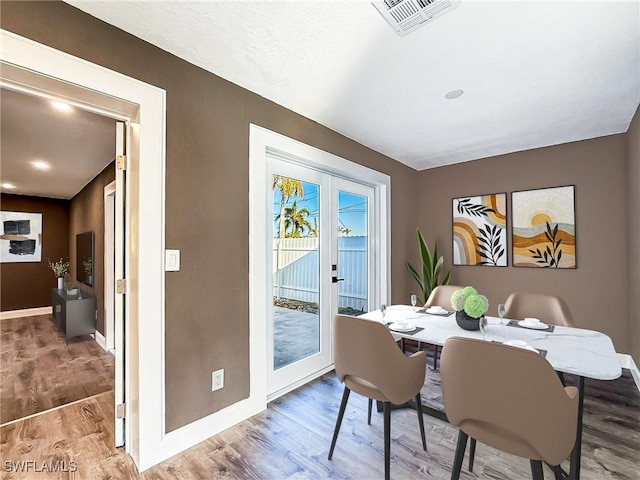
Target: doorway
(323,240)
(322,232)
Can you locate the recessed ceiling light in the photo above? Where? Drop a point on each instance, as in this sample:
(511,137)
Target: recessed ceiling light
(41,165)
(63,107)
(453,94)
(8,186)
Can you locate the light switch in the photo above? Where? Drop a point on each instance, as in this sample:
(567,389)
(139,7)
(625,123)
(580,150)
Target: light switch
(172,260)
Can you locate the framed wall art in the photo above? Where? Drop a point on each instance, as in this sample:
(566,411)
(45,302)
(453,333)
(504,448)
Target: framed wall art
(21,237)
(544,228)
(480,230)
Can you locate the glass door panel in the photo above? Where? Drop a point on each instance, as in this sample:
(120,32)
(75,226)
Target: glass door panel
(353,227)
(296,272)
(353,253)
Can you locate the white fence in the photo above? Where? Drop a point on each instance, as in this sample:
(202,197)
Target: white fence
(298,272)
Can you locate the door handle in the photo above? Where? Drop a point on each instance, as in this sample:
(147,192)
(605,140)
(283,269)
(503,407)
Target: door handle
(336,279)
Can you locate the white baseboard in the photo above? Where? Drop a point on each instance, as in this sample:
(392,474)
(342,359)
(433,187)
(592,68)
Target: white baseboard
(626,361)
(101,341)
(299,383)
(26,312)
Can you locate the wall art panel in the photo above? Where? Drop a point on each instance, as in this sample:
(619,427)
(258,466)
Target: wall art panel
(544,228)
(21,237)
(480,230)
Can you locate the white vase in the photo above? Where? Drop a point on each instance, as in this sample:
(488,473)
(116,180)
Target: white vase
(60,283)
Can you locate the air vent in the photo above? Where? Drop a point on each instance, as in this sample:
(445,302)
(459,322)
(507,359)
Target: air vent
(405,16)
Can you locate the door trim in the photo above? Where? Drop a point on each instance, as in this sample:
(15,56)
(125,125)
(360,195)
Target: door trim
(261,140)
(93,86)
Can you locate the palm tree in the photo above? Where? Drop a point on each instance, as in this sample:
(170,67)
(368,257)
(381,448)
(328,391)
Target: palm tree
(288,187)
(296,220)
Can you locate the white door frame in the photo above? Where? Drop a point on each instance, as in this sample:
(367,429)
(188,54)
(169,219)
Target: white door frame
(93,86)
(262,140)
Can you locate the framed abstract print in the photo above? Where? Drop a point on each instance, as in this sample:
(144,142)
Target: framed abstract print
(544,228)
(21,237)
(480,230)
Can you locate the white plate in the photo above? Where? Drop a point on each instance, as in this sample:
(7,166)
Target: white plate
(402,328)
(538,326)
(437,311)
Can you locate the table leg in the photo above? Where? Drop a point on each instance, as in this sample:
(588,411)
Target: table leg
(425,409)
(574,470)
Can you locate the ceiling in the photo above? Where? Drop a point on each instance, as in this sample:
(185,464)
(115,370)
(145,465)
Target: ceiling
(76,144)
(533,73)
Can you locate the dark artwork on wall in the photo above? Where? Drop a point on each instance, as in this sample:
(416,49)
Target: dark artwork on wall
(21,237)
(22,247)
(480,230)
(544,228)
(17,227)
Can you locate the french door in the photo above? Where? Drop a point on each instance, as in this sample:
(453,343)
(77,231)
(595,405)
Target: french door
(322,264)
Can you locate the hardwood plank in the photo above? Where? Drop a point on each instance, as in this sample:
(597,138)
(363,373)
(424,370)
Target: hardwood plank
(40,371)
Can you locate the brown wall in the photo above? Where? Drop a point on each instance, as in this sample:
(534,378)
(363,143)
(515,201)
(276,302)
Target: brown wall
(633,157)
(29,284)
(207,182)
(596,291)
(87,215)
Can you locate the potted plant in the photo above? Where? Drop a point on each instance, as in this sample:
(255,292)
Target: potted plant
(88,270)
(470,307)
(60,268)
(428,277)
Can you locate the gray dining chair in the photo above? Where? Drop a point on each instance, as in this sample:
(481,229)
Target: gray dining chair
(548,308)
(368,362)
(510,399)
(441,295)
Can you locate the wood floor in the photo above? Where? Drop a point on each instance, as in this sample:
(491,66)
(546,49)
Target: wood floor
(39,371)
(290,440)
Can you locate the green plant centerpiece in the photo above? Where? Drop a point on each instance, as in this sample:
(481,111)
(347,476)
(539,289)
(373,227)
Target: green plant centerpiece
(470,306)
(428,276)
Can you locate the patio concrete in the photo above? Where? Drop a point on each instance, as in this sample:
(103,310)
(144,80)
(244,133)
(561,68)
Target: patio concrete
(295,336)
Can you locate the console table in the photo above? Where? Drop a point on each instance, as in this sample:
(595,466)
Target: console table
(74,314)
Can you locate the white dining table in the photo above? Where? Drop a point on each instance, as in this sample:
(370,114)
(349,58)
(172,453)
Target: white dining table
(576,351)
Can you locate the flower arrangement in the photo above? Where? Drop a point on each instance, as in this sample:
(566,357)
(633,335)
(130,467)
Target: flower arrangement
(470,302)
(88,266)
(59,268)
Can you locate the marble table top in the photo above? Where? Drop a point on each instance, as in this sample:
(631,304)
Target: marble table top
(576,351)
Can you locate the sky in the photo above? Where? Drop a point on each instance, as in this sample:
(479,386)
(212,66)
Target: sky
(351,208)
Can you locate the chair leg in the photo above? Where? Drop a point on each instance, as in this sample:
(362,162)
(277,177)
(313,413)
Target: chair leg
(557,472)
(421,420)
(343,405)
(536,469)
(459,456)
(472,453)
(387,440)
(369,411)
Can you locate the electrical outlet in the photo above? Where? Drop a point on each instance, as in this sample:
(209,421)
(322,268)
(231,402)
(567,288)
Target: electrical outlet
(217,380)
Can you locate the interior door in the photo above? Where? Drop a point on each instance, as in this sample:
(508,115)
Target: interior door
(119,273)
